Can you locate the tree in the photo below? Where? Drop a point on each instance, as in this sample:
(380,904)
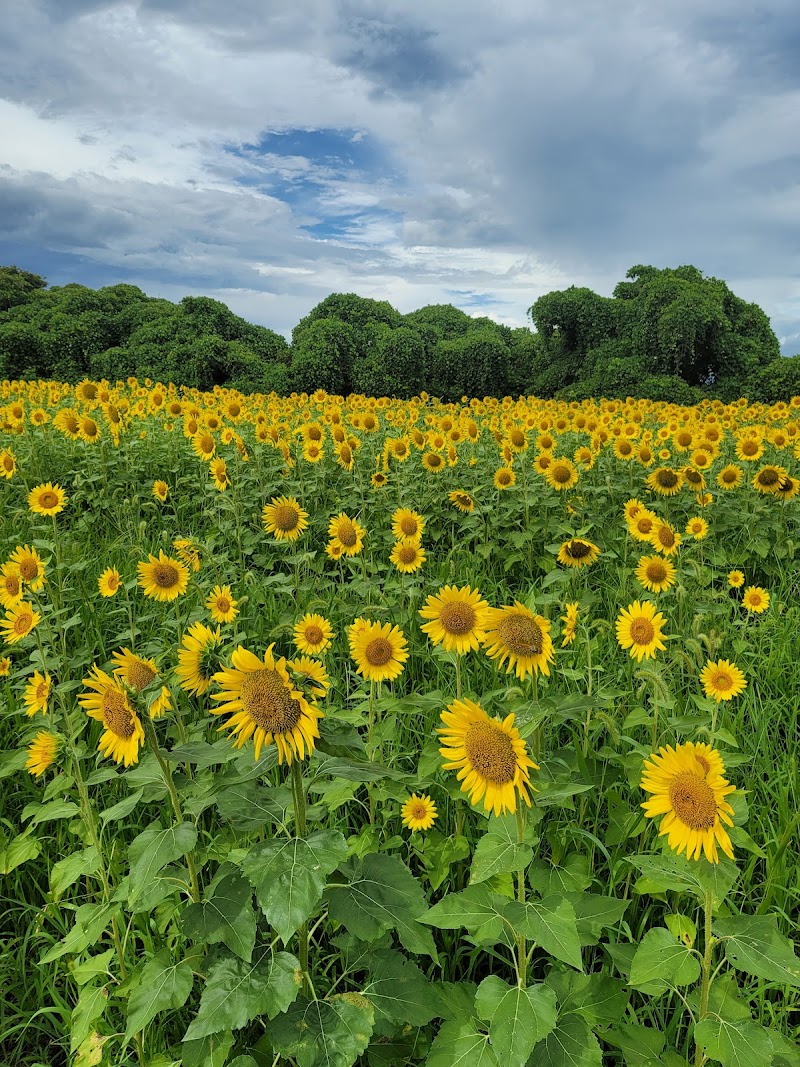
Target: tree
(17,285)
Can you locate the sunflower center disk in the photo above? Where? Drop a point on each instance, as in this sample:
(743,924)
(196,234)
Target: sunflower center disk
(666,537)
(285,517)
(140,675)
(521,635)
(268,702)
(457,617)
(419,811)
(116,716)
(407,554)
(22,623)
(223,604)
(378,652)
(722,682)
(347,534)
(667,479)
(409,527)
(28,569)
(768,477)
(642,631)
(577,549)
(644,525)
(693,801)
(561,474)
(657,572)
(313,635)
(491,753)
(48,500)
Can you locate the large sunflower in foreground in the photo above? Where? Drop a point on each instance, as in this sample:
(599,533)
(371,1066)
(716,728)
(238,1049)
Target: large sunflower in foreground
(458,618)
(284,518)
(722,680)
(490,756)
(516,635)
(689,790)
(577,553)
(198,658)
(263,703)
(47,499)
(640,629)
(138,673)
(109,704)
(163,578)
(380,651)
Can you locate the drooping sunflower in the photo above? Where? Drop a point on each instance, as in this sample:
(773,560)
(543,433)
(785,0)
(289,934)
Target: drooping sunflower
(109,582)
(735,579)
(730,477)
(697,527)
(419,812)
(655,573)
(570,620)
(516,635)
(42,752)
(47,499)
(561,474)
(788,488)
(348,532)
(690,792)
(109,704)
(137,673)
(160,490)
(407,524)
(284,518)
(722,680)
(693,478)
(313,634)
(188,552)
(19,621)
(666,481)
(577,553)
(504,478)
(461,500)
(263,703)
(756,599)
(10,585)
(198,658)
(37,694)
(664,538)
(163,578)
(407,556)
(30,566)
(640,629)
(490,756)
(380,651)
(458,618)
(221,605)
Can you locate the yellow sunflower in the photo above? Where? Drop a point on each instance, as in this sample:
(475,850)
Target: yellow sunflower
(666,481)
(30,566)
(8,463)
(109,704)
(5,666)
(722,680)
(407,556)
(419,812)
(768,479)
(641,525)
(221,605)
(788,488)
(42,752)
(577,553)
(458,618)
(570,621)
(284,518)
(730,477)
(312,674)
(138,673)
(198,658)
(163,578)
(697,528)
(47,499)
(380,651)
(755,599)
(348,532)
(632,508)
(160,490)
(37,694)
(313,634)
(664,538)
(561,474)
(516,635)
(461,500)
(109,582)
(407,524)
(655,573)
(19,621)
(504,478)
(10,585)
(188,552)
(490,756)
(433,462)
(735,579)
(263,703)
(640,629)
(690,793)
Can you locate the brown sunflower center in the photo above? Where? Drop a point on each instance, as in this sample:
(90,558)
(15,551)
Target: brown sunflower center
(491,752)
(504,478)
(667,479)
(286,517)
(268,702)
(23,623)
(223,604)
(314,635)
(409,526)
(749,448)
(561,473)
(625,448)
(11,582)
(112,581)
(722,681)
(693,477)
(8,463)
(165,575)
(28,569)
(644,524)
(769,476)
(207,443)
(521,635)
(666,537)
(577,549)
(139,675)
(89,427)
(42,690)
(378,652)
(434,461)
(418,811)
(407,554)
(693,801)
(48,499)
(457,617)
(116,714)
(642,631)
(347,534)
(656,571)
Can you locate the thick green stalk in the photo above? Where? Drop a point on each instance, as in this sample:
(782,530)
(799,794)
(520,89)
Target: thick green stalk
(300,831)
(705,981)
(522,945)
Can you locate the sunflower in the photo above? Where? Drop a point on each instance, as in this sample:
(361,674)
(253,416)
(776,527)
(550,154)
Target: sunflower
(407,524)
(540,463)
(312,674)
(561,474)
(8,463)
(204,444)
(138,673)
(570,621)
(407,556)
(730,477)
(666,481)
(722,680)
(735,579)
(755,599)
(749,449)
(110,705)
(697,527)
(10,585)
(787,488)
(768,479)
(42,752)
(348,532)
(163,578)
(655,573)
(632,508)
(30,566)
(313,634)
(47,499)
(577,553)
(5,666)
(458,618)
(198,659)
(263,703)
(461,500)
(19,621)
(690,793)
(639,629)
(37,694)
(379,480)
(419,812)
(380,651)
(160,490)
(333,549)
(504,478)
(664,538)
(515,634)
(640,527)
(188,552)
(109,582)
(490,756)
(221,605)
(218,469)
(693,478)
(284,518)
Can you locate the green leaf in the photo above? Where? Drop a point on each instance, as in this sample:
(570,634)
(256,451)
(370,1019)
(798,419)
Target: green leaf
(18,851)
(250,805)
(67,871)
(754,944)
(671,871)
(162,984)
(227,915)
(358,770)
(90,1006)
(459,1043)
(594,913)
(237,992)
(787,1053)
(399,991)
(662,961)
(289,876)
(211,1051)
(498,851)
(92,967)
(324,1033)
(570,1044)
(739,1044)
(381,894)
(153,849)
(517,1017)
(56,809)
(726,1001)
(571,876)
(477,909)
(91,920)
(552,924)
(123,809)
(90,1052)
(640,1045)
(599,998)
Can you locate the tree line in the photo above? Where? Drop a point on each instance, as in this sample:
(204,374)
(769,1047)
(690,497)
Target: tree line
(664,334)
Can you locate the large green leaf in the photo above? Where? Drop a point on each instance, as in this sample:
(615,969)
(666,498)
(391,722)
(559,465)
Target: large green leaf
(499,851)
(594,913)
(153,849)
(754,944)
(477,909)
(227,915)
(517,1017)
(460,1043)
(67,871)
(735,1044)
(570,1044)
(250,805)
(599,998)
(552,924)
(324,1033)
(90,1006)
(90,922)
(211,1051)
(162,984)
(289,876)
(22,848)
(236,992)
(662,961)
(399,991)
(640,1045)
(670,871)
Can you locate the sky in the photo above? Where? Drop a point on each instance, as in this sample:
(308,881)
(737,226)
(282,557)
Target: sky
(270,152)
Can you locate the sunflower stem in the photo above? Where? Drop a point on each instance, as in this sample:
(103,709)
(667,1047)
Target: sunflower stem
(705,981)
(300,831)
(458,676)
(522,946)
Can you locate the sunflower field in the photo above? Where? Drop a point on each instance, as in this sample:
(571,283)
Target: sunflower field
(360,731)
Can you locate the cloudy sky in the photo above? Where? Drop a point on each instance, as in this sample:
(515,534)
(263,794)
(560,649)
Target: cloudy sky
(269,152)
